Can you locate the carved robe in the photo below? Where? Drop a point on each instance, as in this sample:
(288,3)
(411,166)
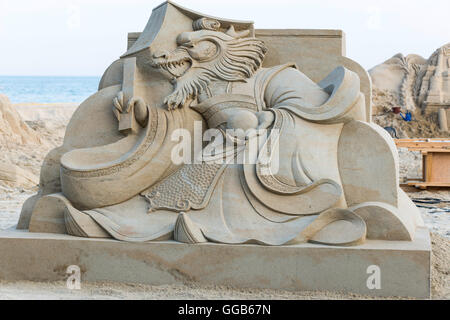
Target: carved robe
(237,203)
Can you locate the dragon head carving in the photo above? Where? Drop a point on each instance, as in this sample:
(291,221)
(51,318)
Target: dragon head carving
(207,54)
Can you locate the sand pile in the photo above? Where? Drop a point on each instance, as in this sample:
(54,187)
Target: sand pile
(440,271)
(421,126)
(27,133)
(386,98)
(52,113)
(13,130)
(383,100)
(12,175)
(49,120)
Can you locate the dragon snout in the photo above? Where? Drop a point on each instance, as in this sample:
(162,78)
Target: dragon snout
(161,54)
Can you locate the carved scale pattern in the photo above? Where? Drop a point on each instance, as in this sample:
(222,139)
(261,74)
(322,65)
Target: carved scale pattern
(188,188)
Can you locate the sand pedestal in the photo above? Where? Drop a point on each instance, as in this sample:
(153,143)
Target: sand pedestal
(378,268)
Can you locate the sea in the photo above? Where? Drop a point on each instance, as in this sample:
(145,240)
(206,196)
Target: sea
(48,89)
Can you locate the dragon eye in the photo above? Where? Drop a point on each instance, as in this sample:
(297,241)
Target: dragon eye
(202,50)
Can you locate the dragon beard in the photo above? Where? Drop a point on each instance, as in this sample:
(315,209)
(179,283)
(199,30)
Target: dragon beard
(188,87)
(239,60)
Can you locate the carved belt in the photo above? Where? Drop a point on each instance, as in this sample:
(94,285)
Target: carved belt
(215,110)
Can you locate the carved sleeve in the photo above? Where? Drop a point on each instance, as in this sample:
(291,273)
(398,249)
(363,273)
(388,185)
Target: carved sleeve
(292,87)
(335,99)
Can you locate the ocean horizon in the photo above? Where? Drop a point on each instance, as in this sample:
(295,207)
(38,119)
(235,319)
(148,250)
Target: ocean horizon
(48,89)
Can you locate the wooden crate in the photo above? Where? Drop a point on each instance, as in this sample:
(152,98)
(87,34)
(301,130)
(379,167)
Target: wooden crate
(435,161)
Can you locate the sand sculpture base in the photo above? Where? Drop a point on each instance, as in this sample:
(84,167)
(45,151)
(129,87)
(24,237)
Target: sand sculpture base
(402,267)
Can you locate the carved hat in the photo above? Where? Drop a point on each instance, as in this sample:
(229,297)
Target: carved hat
(206,27)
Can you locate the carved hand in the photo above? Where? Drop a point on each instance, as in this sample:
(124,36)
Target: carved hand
(136,104)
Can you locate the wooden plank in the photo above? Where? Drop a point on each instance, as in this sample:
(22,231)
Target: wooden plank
(423,145)
(423,140)
(430,184)
(441,167)
(429,167)
(412,143)
(429,150)
(424,166)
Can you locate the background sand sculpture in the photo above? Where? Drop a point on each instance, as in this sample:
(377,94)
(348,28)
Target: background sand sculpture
(414,84)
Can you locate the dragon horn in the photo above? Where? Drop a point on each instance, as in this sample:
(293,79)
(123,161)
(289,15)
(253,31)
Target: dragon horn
(232,33)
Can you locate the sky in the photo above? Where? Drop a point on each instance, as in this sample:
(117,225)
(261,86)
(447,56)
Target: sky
(82,37)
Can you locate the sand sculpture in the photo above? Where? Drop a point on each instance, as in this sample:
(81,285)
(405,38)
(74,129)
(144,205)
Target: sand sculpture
(221,154)
(321,171)
(416,84)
